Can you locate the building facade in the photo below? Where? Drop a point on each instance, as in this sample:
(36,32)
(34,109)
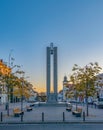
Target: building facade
(4,70)
(99,85)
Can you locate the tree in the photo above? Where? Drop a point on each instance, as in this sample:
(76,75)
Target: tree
(74,78)
(84,79)
(13,84)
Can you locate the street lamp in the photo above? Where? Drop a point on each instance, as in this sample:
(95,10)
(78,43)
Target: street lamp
(0,92)
(7,103)
(10,58)
(76,97)
(86,87)
(22,84)
(11,67)
(22,94)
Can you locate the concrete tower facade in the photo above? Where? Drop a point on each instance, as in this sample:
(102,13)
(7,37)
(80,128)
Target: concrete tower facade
(51,96)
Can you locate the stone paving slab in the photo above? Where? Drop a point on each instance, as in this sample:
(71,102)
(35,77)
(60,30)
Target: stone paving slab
(51,114)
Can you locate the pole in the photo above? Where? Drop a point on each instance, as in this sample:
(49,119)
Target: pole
(42,116)
(21,116)
(63,116)
(7,104)
(1,116)
(76,98)
(87,101)
(84,116)
(22,102)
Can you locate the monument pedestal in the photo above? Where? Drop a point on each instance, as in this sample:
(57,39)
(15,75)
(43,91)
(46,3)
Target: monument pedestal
(56,104)
(52,98)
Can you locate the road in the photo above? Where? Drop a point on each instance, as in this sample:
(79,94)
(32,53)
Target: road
(51,126)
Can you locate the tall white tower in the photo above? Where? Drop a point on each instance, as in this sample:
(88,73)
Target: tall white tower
(51,96)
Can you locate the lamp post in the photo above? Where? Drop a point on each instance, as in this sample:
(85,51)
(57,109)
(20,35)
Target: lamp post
(22,94)
(76,98)
(8,88)
(10,66)
(10,58)
(22,84)
(87,87)
(7,103)
(0,92)
(76,82)
(87,98)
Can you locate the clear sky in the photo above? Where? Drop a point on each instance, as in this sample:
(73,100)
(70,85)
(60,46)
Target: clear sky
(28,26)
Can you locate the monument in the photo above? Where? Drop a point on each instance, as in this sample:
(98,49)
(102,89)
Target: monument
(51,71)
(52,78)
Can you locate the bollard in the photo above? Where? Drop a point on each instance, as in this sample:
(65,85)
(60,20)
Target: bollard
(42,116)
(21,117)
(83,116)
(63,116)
(1,116)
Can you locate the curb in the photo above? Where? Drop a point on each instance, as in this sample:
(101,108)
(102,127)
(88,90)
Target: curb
(58,122)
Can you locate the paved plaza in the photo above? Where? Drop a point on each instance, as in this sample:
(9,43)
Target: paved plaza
(51,114)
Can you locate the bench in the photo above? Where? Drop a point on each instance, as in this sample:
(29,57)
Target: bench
(68,108)
(32,105)
(77,112)
(28,108)
(17,112)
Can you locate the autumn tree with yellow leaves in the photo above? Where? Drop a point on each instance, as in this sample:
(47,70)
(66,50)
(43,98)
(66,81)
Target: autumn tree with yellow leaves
(15,85)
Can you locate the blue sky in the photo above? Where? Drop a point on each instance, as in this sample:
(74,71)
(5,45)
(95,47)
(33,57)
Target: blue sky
(28,26)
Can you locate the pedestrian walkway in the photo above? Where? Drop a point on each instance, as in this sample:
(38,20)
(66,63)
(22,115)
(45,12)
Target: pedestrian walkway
(49,114)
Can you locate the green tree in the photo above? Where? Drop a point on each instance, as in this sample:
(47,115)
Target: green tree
(84,79)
